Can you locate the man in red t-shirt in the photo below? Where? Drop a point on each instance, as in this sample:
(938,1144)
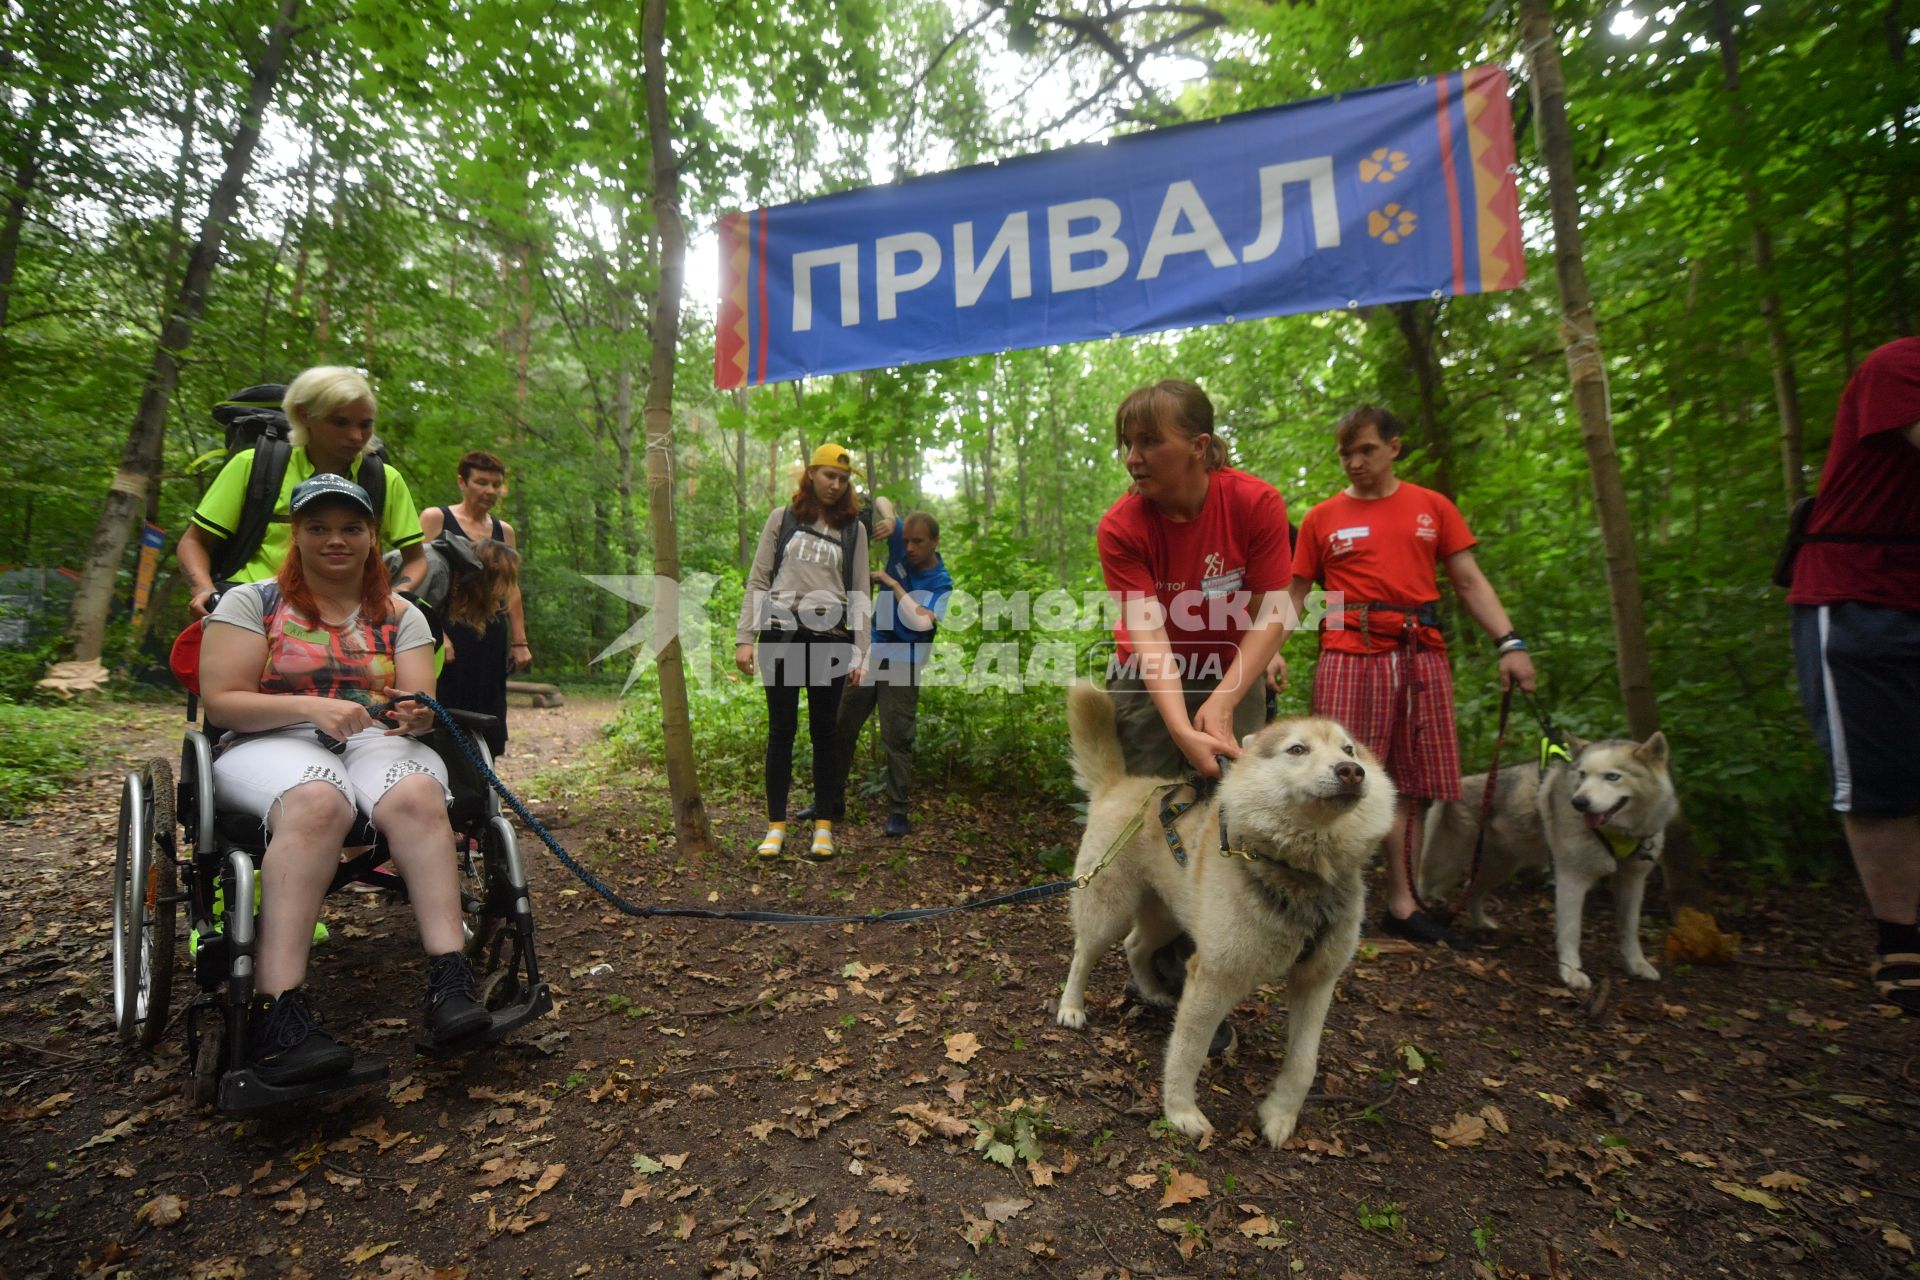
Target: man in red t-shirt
(1856,643)
(1383,662)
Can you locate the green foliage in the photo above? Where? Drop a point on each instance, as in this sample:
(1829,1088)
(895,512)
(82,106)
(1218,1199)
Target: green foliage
(458,200)
(40,749)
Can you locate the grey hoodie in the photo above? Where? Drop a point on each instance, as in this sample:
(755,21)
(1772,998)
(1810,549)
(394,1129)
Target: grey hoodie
(811,590)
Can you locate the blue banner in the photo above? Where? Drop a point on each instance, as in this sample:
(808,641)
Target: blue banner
(1383,195)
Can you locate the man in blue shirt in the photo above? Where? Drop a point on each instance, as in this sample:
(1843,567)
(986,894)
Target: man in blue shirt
(912,599)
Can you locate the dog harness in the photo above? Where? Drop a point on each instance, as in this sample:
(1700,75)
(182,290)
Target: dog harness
(1623,846)
(1171,809)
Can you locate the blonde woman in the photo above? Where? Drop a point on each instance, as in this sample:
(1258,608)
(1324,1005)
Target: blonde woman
(329,412)
(807,606)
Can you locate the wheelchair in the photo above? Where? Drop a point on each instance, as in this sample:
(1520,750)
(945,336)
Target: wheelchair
(174,849)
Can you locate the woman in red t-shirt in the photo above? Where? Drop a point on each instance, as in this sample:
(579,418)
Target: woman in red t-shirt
(1196,554)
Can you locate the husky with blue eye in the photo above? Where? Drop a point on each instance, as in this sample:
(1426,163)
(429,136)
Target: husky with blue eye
(1304,808)
(1598,813)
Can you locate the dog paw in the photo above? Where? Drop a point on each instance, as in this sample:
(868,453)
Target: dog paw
(1189,1121)
(1642,970)
(1277,1123)
(1574,979)
(1152,994)
(1072,1019)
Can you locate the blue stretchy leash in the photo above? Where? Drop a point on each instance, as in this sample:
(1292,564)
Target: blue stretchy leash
(1031,893)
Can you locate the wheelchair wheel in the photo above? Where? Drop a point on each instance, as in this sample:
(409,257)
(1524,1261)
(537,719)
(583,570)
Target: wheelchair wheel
(493,948)
(203,1087)
(145,905)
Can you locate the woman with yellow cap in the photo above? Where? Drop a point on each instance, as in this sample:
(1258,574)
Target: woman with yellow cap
(807,605)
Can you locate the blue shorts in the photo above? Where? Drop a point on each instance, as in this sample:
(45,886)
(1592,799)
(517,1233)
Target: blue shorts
(1859,668)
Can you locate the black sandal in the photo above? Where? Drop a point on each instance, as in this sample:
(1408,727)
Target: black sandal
(1896,976)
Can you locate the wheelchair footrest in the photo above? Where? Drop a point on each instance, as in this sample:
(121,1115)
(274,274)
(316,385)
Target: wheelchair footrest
(537,1002)
(242,1089)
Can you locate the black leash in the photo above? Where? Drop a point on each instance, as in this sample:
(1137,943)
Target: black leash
(1031,893)
(1447,913)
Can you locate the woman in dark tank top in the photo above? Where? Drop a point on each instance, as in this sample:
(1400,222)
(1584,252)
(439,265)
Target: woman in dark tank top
(476,678)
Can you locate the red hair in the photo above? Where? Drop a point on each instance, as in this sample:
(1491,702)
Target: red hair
(806,503)
(376,589)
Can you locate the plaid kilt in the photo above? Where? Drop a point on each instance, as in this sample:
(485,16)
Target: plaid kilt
(1368,694)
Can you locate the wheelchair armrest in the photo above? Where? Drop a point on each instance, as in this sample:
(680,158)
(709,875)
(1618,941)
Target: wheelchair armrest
(478,721)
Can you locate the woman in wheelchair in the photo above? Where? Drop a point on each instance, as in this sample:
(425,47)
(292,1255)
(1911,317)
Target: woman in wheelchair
(297,669)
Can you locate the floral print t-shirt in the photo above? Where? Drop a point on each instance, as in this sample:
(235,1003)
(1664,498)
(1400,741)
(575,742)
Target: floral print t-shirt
(352,660)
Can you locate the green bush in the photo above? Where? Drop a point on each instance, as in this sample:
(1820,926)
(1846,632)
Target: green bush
(40,748)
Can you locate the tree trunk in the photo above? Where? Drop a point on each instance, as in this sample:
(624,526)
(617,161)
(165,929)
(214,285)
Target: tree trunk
(1902,188)
(1587,371)
(523,343)
(20,185)
(691,829)
(1786,390)
(623,445)
(742,522)
(140,459)
(1416,321)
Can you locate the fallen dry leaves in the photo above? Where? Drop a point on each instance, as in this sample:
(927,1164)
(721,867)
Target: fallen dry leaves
(1464,1131)
(161,1210)
(1184,1188)
(962,1046)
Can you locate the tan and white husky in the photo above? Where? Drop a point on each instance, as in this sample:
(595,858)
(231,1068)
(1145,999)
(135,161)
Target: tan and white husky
(1307,805)
(1602,815)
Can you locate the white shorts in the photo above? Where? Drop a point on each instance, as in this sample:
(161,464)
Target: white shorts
(252,773)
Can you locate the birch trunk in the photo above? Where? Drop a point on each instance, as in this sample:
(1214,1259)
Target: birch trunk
(691,828)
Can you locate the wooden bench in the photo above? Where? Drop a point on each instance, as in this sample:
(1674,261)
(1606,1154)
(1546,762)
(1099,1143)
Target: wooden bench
(543,695)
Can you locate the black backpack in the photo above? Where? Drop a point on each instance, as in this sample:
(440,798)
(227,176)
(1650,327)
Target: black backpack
(790,528)
(253,419)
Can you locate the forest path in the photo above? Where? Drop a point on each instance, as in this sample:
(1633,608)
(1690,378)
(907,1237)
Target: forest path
(714,1099)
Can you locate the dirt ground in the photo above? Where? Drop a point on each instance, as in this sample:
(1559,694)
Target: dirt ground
(723,1100)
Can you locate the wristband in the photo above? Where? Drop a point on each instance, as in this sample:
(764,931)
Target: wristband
(519,644)
(1510,643)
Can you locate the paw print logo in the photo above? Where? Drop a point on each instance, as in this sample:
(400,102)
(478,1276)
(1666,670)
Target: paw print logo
(1392,224)
(1383,166)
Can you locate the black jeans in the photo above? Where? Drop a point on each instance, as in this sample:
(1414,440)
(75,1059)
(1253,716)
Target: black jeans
(817,662)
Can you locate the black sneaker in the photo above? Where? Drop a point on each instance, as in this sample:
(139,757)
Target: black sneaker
(1423,929)
(452,1013)
(803,814)
(897,825)
(286,1043)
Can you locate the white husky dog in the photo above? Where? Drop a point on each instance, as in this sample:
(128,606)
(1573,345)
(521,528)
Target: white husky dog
(1603,814)
(1306,805)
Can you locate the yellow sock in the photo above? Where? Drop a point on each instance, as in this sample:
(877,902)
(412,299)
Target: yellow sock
(773,841)
(822,838)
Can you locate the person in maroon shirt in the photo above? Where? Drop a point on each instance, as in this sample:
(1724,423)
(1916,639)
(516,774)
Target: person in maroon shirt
(1856,644)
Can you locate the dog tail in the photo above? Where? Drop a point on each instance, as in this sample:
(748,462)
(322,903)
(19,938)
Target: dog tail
(1097,762)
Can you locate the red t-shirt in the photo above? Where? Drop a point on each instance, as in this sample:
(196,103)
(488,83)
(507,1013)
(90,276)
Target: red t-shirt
(1869,485)
(1204,571)
(1380,550)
